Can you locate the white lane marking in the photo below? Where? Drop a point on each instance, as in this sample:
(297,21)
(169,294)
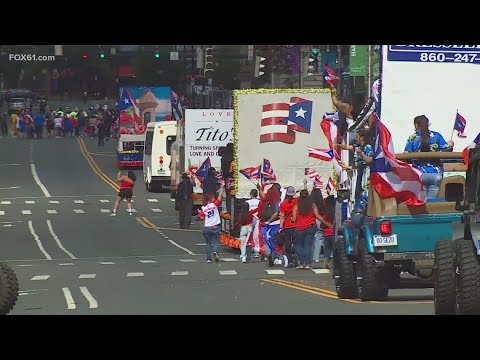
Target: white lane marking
(79,201)
(10,187)
(172,200)
(321,271)
(25,265)
(147,261)
(37,239)
(8,225)
(66,264)
(29,202)
(229,259)
(152,200)
(105,210)
(9,164)
(228,272)
(6,202)
(201,244)
(275,272)
(157,210)
(11,222)
(91,300)
(57,240)
(180,273)
(133,210)
(87,276)
(104,201)
(2,212)
(54,202)
(79,211)
(174,243)
(106,263)
(68,297)
(26,212)
(40,277)
(135,274)
(188,260)
(39,183)
(52,211)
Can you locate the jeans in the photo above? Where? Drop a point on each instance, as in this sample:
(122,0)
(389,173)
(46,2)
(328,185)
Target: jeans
(319,238)
(185,213)
(289,237)
(212,239)
(303,244)
(328,247)
(268,232)
(245,232)
(431,184)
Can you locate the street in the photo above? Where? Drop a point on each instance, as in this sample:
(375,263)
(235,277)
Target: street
(72,257)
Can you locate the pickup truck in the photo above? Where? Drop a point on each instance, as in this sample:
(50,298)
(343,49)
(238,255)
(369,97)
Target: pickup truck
(394,238)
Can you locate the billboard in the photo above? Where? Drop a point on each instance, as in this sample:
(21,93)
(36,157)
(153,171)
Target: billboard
(139,105)
(205,131)
(279,125)
(430,80)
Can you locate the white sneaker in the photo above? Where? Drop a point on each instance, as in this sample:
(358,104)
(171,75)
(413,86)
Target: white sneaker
(130,213)
(244,259)
(113,214)
(277,262)
(285,261)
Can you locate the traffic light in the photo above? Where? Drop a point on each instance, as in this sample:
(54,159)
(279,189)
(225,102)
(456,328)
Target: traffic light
(259,66)
(102,55)
(85,56)
(157,55)
(313,62)
(208,63)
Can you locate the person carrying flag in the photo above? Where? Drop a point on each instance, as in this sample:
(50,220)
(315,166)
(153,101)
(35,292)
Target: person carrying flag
(426,140)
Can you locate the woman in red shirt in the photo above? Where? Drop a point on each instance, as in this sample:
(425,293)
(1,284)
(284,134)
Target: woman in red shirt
(304,215)
(245,221)
(127,182)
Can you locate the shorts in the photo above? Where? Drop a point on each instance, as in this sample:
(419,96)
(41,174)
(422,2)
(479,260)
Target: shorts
(125,193)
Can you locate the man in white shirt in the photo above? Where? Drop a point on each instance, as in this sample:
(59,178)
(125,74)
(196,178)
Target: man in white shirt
(253,203)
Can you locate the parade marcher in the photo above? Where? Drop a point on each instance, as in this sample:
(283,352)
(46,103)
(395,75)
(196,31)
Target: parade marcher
(185,201)
(245,221)
(319,237)
(14,127)
(253,203)
(127,183)
(287,227)
(426,140)
(49,121)
(39,121)
(328,231)
(4,123)
(58,123)
(268,211)
(211,229)
(210,184)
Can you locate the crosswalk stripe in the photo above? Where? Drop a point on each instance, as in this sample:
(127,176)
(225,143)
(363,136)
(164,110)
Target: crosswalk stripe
(51,211)
(78,201)
(106,263)
(87,276)
(321,271)
(135,274)
(229,259)
(40,277)
(54,202)
(180,273)
(228,272)
(104,201)
(188,260)
(105,210)
(66,264)
(6,202)
(26,212)
(2,212)
(152,200)
(157,210)
(147,261)
(275,272)
(133,210)
(79,211)
(29,202)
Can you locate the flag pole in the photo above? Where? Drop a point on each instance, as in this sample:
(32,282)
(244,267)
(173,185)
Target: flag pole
(451,137)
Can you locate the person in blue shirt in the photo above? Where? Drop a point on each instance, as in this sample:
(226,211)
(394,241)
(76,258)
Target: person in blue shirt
(359,217)
(39,120)
(426,140)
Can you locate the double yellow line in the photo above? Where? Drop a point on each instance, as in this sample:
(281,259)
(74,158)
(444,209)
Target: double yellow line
(95,167)
(149,225)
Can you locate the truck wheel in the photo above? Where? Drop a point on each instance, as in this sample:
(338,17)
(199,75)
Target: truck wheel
(8,289)
(344,272)
(372,284)
(467,279)
(444,280)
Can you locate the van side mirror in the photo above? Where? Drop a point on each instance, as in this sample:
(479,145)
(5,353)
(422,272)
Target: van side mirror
(454,192)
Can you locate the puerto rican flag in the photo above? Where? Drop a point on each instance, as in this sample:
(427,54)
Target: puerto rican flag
(329,128)
(466,151)
(392,177)
(202,171)
(330,76)
(321,154)
(460,125)
(330,186)
(280,121)
(251,173)
(177,108)
(268,176)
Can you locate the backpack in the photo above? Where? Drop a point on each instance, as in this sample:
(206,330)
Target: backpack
(267,212)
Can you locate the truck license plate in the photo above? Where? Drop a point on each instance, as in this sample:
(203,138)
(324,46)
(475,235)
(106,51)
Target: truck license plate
(382,240)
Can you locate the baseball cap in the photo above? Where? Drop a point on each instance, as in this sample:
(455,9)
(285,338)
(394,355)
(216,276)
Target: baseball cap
(290,191)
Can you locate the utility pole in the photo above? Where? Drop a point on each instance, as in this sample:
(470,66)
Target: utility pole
(369,88)
(301,65)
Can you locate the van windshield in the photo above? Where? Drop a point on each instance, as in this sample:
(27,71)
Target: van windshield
(148,143)
(170,140)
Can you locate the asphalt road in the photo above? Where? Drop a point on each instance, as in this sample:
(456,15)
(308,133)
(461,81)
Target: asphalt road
(71,257)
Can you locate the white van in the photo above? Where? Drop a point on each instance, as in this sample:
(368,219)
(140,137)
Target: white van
(157,154)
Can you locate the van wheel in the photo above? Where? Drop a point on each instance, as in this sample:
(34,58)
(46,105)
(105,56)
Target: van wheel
(468,279)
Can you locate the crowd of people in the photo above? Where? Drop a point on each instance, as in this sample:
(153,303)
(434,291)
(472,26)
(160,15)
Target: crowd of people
(100,123)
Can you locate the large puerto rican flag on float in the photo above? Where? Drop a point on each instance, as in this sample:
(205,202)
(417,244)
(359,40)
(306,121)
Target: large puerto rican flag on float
(329,128)
(280,121)
(392,177)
